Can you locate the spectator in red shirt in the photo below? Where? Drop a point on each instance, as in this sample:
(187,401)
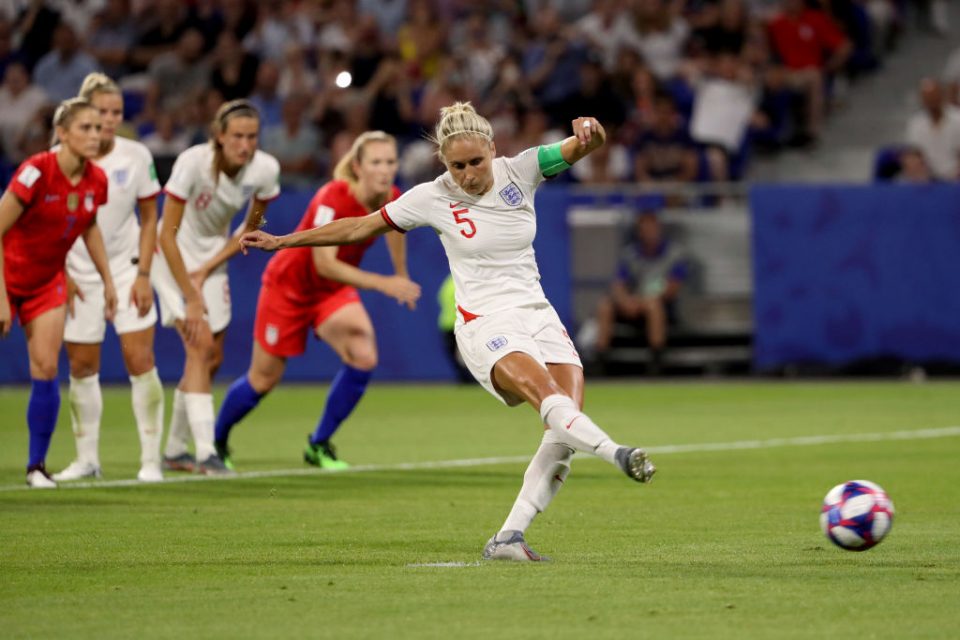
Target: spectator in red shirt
(810,46)
(52,199)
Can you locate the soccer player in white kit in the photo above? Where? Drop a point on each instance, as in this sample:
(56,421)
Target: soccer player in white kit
(509,335)
(132,184)
(209,183)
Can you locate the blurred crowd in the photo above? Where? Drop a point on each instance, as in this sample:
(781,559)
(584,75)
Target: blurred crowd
(688,89)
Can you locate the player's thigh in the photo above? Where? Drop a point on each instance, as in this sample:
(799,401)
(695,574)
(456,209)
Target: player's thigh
(520,374)
(502,354)
(137,349)
(86,325)
(44,339)
(349,332)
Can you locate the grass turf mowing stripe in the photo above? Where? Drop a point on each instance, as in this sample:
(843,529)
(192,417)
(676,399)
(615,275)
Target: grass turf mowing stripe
(801,441)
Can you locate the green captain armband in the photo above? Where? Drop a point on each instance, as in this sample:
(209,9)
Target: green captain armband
(551,159)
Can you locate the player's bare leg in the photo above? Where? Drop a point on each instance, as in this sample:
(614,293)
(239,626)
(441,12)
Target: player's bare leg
(147,399)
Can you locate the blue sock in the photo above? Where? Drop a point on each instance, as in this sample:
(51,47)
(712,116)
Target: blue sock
(42,410)
(345,392)
(240,400)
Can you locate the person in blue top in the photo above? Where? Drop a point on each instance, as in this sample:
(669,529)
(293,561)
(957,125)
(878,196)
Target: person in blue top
(651,271)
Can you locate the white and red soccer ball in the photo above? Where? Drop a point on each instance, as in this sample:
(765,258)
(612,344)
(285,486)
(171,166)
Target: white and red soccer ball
(856,515)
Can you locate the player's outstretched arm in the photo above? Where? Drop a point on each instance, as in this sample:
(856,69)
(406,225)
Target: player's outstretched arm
(342,231)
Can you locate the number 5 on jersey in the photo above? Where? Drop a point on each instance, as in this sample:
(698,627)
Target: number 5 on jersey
(458,215)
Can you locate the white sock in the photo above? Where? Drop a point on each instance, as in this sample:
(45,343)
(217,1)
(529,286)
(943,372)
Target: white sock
(200,416)
(542,480)
(575,429)
(147,397)
(86,409)
(179,434)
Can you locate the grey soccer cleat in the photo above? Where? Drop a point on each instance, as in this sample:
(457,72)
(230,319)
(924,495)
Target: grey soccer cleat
(214,466)
(511,546)
(635,463)
(183,462)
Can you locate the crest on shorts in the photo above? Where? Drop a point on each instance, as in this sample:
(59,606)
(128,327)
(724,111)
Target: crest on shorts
(511,194)
(120,177)
(495,344)
(73,201)
(273,334)
(88,202)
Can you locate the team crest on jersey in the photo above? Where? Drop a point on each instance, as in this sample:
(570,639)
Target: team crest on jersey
(73,201)
(511,194)
(273,334)
(88,202)
(495,344)
(247,191)
(120,177)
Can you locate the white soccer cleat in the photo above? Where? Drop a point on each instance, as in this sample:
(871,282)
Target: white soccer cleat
(150,473)
(510,545)
(635,464)
(77,471)
(38,478)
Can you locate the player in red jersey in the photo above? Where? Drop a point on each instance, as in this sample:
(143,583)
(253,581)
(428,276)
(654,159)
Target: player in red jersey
(52,199)
(316,288)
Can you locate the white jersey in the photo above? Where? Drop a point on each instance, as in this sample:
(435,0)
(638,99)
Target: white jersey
(131,177)
(488,239)
(209,206)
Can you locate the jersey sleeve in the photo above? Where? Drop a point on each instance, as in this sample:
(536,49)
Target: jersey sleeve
(270,184)
(26,183)
(148,186)
(525,167)
(410,210)
(183,175)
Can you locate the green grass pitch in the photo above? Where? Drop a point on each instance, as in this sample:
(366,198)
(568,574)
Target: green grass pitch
(723,544)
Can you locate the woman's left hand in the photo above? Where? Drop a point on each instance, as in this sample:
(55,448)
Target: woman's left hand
(589,132)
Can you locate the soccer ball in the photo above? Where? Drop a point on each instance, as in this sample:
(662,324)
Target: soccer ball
(856,515)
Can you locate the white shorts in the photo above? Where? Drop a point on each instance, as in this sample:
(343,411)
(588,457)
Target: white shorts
(216,296)
(87,324)
(535,330)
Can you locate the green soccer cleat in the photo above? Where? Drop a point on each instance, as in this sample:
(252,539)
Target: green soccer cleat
(323,455)
(224,452)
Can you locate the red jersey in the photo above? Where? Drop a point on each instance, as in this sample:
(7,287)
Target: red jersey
(801,42)
(55,213)
(293,270)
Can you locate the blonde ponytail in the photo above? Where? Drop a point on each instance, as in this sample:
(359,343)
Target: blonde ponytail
(460,119)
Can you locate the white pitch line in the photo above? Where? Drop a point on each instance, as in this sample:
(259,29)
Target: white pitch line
(703,447)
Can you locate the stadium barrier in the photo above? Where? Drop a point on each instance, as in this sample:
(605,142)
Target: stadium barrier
(833,275)
(848,274)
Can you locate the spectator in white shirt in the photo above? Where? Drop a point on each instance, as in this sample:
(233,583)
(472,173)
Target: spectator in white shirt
(936,131)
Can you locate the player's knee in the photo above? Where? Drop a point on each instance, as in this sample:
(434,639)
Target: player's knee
(140,362)
(365,360)
(263,380)
(361,353)
(81,368)
(44,368)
